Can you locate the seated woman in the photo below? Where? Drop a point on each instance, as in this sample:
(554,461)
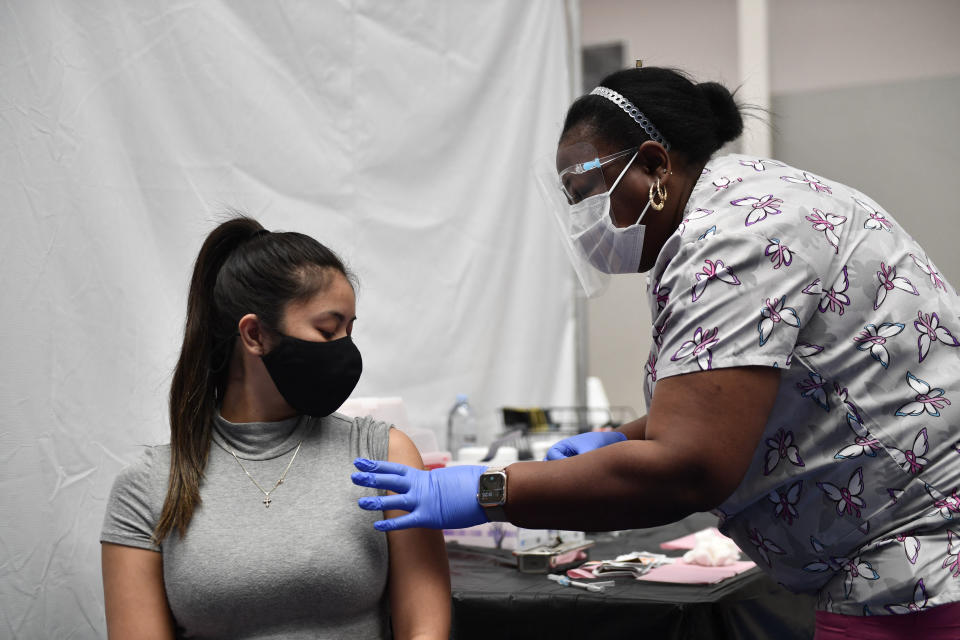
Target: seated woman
(245,525)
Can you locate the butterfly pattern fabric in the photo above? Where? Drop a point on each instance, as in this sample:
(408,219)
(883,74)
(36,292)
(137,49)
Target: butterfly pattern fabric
(853,489)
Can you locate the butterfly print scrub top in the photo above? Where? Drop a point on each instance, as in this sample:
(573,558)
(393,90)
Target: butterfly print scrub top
(852,492)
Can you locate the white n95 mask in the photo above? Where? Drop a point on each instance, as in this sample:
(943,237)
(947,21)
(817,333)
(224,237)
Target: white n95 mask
(595,246)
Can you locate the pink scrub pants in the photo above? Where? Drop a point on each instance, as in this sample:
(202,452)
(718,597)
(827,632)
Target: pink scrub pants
(938,623)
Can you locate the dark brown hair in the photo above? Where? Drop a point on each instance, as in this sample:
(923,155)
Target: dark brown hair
(242,268)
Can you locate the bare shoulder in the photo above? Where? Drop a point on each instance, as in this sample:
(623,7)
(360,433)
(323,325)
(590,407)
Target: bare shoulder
(401,449)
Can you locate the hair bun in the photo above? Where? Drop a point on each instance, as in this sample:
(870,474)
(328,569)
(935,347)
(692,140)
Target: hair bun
(726,112)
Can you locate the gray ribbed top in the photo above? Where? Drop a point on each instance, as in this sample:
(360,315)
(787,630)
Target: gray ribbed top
(260,440)
(309,566)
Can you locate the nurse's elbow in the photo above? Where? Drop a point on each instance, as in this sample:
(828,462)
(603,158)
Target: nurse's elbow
(706,486)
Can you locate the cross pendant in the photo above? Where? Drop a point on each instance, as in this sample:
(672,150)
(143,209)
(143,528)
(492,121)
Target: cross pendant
(266,501)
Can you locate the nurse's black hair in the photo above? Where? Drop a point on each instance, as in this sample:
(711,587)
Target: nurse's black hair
(242,268)
(696,119)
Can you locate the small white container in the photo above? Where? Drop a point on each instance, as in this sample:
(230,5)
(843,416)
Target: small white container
(471,455)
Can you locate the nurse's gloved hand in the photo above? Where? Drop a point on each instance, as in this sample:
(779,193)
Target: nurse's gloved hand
(575,445)
(444,498)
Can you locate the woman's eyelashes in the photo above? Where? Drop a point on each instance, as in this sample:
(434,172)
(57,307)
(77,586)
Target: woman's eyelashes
(331,330)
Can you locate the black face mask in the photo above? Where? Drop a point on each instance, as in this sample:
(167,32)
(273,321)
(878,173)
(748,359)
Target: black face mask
(314,378)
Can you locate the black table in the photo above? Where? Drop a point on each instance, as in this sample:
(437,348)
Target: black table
(491,599)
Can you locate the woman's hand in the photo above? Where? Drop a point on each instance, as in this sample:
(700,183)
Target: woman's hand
(575,445)
(440,499)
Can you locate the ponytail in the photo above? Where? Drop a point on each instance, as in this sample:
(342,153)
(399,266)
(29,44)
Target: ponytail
(197,380)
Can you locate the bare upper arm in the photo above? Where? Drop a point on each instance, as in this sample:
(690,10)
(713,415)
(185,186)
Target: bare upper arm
(635,430)
(419,574)
(134,597)
(711,422)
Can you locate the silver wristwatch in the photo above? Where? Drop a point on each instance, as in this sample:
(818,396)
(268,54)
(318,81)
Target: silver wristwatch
(492,493)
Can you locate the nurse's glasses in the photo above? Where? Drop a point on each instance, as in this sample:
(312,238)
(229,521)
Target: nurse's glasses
(585,179)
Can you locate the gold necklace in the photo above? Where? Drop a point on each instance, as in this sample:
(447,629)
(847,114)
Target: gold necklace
(266,494)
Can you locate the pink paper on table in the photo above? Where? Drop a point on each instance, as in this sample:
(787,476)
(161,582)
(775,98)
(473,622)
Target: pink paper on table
(681,572)
(688,541)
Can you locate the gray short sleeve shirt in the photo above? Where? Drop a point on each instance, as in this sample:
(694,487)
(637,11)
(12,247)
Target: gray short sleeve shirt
(309,565)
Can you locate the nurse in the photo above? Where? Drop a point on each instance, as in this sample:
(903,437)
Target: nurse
(803,382)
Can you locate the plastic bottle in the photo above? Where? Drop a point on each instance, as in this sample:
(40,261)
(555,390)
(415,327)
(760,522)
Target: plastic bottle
(461,425)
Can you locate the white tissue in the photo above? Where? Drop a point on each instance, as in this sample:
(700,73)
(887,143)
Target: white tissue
(713,549)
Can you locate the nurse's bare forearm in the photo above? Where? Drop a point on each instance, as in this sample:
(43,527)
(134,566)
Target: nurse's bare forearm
(699,440)
(632,484)
(636,430)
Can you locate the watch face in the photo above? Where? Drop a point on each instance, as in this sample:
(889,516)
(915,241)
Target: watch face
(492,482)
(491,488)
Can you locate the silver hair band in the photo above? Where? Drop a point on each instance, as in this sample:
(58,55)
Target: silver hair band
(633,112)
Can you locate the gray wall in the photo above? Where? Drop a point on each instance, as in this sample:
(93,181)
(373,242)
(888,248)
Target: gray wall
(898,142)
(865,92)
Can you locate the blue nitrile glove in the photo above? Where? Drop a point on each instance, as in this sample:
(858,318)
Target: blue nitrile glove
(575,445)
(444,498)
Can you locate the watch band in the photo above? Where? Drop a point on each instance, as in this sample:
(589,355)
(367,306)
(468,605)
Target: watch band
(495,514)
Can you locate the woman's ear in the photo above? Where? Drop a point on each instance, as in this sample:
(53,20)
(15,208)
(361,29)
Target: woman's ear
(252,335)
(654,160)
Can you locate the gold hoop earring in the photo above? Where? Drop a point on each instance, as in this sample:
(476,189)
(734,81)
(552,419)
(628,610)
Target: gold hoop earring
(661,193)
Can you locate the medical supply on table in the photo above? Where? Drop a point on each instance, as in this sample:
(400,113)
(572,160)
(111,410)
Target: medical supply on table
(504,535)
(655,567)
(596,587)
(634,565)
(461,425)
(712,549)
(706,545)
(680,572)
(553,557)
(500,535)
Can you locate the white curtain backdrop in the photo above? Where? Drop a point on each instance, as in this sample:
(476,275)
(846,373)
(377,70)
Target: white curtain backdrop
(400,134)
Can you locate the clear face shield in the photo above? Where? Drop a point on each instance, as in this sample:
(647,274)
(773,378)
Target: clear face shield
(578,196)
